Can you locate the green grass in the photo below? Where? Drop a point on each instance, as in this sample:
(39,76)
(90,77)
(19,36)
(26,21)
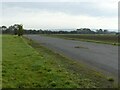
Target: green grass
(97,38)
(27,64)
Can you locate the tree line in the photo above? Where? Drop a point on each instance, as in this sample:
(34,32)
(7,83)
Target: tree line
(17,29)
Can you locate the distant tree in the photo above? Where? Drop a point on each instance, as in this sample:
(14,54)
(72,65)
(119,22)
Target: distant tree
(85,31)
(100,31)
(105,31)
(15,29)
(20,30)
(118,33)
(40,31)
(73,32)
(9,30)
(4,27)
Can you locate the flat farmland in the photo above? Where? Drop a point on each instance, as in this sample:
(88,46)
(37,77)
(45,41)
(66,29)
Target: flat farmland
(98,38)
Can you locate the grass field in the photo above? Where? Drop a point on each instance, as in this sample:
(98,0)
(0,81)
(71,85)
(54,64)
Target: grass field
(26,64)
(98,38)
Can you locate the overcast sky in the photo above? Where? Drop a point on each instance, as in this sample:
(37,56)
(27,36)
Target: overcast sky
(61,15)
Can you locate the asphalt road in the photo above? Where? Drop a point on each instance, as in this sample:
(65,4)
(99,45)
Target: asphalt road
(101,56)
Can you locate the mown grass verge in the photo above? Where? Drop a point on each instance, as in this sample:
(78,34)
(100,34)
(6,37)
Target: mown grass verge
(27,64)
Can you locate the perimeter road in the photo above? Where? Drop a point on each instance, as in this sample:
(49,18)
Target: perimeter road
(101,56)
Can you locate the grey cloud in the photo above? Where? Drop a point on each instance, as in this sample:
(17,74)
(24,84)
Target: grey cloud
(74,8)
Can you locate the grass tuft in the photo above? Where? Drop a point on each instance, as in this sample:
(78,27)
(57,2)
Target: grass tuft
(110,79)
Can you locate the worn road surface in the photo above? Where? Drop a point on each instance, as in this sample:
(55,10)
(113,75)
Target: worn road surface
(101,56)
